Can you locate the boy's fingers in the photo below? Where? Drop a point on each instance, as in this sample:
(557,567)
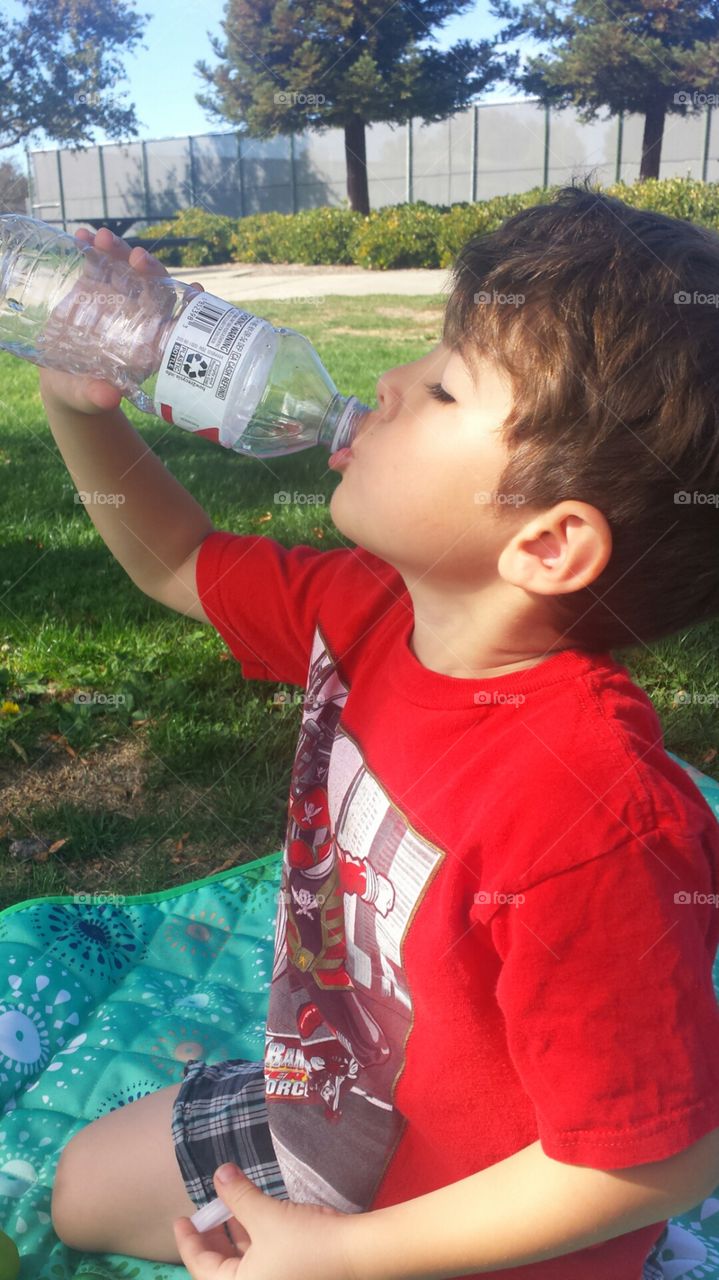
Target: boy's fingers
(238,1235)
(201,1260)
(102,394)
(143,261)
(115,247)
(107,242)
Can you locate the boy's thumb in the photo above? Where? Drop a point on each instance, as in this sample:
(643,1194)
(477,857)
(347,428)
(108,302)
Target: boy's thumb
(237,1191)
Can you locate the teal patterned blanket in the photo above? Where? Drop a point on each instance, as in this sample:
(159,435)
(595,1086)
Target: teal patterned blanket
(102,1002)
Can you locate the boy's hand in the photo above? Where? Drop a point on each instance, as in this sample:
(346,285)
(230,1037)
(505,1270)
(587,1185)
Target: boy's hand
(272,1238)
(86,394)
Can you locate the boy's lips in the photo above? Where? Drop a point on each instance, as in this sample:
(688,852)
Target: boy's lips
(339,459)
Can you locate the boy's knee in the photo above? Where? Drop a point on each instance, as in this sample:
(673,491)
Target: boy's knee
(63,1205)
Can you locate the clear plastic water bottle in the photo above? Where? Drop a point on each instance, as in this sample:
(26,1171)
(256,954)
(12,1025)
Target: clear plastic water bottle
(173,350)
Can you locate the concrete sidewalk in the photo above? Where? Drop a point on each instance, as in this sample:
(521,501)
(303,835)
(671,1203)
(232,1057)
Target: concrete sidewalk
(234,281)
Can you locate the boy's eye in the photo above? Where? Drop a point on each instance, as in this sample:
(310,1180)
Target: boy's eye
(437,390)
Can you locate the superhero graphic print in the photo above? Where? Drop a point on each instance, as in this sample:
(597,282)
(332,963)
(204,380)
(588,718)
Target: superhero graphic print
(339,1010)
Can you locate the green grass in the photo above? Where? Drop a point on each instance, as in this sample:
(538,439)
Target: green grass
(216,753)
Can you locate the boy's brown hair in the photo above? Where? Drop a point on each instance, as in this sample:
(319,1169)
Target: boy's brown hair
(614,361)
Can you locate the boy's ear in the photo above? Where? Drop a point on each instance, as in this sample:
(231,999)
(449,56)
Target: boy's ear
(561,550)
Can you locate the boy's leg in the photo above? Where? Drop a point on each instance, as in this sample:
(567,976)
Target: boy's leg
(118,1184)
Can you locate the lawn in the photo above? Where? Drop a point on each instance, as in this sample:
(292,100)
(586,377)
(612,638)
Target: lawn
(178,767)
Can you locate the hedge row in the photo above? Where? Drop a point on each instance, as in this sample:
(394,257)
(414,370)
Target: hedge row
(402,235)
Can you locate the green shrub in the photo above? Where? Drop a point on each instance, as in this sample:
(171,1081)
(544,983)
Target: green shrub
(214,231)
(469,219)
(321,235)
(679,197)
(260,237)
(401,235)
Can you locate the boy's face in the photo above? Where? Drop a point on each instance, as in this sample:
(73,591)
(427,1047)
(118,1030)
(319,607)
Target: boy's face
(418,490)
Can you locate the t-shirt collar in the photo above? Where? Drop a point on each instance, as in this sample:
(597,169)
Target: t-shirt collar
(426,688)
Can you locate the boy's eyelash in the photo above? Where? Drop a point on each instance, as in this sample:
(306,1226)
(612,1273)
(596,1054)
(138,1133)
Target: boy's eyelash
(437,390)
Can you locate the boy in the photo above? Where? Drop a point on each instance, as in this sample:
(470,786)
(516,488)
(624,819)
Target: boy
(492,1040)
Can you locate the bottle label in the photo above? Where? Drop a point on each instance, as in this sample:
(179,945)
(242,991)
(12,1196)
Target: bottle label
(204,351)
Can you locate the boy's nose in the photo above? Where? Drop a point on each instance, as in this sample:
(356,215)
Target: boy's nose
(388,395)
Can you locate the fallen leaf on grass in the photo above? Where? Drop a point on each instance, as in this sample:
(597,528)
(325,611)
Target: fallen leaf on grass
(57,844)
(20,750)
(225,866)
(60,737)
(710,755)
(263,519)
(181,842)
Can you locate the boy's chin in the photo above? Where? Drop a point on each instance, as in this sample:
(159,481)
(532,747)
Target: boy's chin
(341,516)
(350,527)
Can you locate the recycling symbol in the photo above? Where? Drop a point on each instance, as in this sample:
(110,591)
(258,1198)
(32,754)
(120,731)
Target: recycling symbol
(195,366)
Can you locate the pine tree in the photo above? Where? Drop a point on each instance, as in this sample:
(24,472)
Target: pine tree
(651,57)
(291,65)
(56,67)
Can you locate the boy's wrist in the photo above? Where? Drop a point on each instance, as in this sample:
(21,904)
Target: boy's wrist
(367,1245)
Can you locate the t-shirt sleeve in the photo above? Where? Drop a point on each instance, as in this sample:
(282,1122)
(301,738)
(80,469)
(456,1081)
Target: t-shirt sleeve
(607,994)
(264,599)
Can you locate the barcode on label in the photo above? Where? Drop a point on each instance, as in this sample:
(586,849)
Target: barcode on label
(206,317)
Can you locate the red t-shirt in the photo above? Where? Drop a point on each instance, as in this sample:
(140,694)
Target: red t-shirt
(495,923)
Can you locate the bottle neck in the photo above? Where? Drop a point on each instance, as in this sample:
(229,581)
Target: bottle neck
(340,422)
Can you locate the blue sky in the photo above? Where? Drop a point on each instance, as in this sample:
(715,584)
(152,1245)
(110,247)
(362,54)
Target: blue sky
(162,81)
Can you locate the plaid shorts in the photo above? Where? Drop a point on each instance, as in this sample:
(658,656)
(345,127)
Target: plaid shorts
(220,1114)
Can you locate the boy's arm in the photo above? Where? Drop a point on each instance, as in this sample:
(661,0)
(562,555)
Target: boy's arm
(524,1209)
(151,524)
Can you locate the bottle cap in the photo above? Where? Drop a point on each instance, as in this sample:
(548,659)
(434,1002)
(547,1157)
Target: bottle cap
(211,1215)
(349,420)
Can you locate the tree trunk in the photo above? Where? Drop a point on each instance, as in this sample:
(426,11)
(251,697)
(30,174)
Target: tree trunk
(356,159)
(652,140)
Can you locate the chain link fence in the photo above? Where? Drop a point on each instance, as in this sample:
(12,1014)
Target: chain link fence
(486,150)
